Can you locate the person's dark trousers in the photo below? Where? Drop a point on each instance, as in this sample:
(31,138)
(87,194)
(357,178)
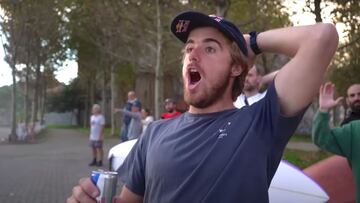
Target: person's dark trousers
(124,132)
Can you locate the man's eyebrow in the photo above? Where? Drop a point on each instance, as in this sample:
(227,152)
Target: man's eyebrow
(213,40)
(190,41)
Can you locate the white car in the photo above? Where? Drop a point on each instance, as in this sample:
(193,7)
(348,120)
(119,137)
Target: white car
(289,184)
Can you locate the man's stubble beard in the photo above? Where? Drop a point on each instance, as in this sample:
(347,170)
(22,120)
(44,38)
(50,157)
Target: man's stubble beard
(355,106)
(208,96)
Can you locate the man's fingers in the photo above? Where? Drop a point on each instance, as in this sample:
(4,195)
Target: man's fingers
(79,195)
(88,186)
(71,200)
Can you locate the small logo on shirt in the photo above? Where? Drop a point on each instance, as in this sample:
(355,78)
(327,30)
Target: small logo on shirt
(222,131)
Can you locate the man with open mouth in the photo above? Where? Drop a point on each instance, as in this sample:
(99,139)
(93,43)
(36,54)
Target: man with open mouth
(215,152)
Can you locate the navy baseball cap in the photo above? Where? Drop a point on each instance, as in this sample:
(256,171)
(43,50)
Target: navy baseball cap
(185,22)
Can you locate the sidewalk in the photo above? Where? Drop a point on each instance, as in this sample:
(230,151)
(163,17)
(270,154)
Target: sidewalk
(45,171)
(305,146)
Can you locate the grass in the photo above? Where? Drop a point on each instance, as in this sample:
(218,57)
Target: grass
(303,159)
(107,132)
(85,131)
(62,127)
(300,138)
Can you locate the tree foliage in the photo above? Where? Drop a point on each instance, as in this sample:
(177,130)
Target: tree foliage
(346,65)
(63,100)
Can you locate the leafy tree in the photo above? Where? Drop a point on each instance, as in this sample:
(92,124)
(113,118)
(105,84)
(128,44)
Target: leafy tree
(65,99)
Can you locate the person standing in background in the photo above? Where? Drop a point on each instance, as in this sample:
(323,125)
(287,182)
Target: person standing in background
(97,122)
(147,118)
(170,107)
(132,100)
(353,101)
(135,126)
(344,140)
(253,83)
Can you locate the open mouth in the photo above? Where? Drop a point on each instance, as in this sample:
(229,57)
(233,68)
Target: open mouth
(194,76)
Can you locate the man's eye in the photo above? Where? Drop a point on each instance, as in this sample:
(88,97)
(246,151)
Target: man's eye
(209,50)
(188,49)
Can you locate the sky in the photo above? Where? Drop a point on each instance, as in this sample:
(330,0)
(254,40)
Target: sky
(65,73)
(69,71)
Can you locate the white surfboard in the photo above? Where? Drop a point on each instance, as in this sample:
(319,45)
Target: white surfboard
(289,185)
(118,153)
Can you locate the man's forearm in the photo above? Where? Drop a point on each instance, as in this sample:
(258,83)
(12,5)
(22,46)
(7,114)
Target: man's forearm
(289,40)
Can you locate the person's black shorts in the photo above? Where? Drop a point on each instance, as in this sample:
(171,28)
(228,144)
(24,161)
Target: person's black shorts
(96,143)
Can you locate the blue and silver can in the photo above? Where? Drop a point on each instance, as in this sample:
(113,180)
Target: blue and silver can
(106,181)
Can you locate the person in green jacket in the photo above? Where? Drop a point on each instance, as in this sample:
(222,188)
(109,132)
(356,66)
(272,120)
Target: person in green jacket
(344,140)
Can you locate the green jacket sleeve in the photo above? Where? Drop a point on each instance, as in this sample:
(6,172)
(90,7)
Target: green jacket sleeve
(335,140)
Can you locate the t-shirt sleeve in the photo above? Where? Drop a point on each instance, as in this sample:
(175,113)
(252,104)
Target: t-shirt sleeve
(336,140)
(273,126)
(132,171)
(282,126)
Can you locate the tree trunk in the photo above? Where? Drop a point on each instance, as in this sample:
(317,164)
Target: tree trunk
(158,71)
(113,99)
(35,102)
(317,11)
(43,100)
(87,101)
(26,98)
(13,136)
(222,7)
(103,94)
(86,111)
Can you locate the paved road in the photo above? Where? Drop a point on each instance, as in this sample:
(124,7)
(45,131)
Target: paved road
(45,171)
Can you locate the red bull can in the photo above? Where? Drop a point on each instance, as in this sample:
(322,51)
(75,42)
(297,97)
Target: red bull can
(106,181)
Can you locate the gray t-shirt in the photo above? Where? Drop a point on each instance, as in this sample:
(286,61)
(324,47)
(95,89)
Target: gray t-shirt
(135,126)
(228,156)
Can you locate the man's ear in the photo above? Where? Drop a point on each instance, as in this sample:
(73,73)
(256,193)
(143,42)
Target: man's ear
(347,101)
(236,70)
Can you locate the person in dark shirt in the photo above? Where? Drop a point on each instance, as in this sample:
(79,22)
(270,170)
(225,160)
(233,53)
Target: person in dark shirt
(131,101)
(353,101)
(216,152)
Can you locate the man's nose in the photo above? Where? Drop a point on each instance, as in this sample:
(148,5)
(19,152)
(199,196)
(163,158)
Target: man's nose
(194,55)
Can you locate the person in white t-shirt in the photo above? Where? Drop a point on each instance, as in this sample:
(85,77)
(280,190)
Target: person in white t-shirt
(146,118)
(97,122)
(251,91)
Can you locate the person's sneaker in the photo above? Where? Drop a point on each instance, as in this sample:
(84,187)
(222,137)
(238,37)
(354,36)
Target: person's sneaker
(99,163)
(93,163)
